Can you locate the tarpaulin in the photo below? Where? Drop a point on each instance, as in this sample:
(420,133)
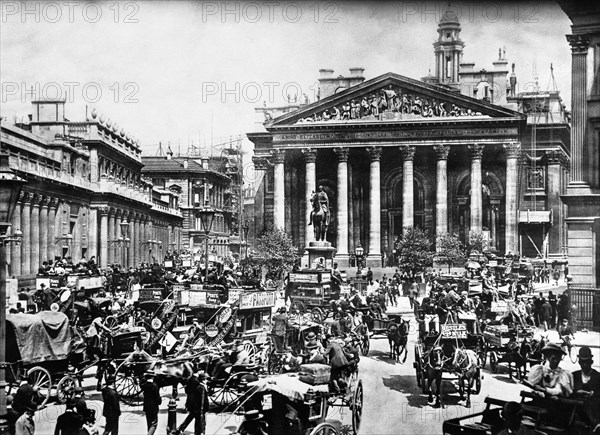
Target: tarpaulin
(287,385)
(45,336)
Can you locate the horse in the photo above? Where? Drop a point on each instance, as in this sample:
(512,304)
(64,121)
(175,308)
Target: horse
(467,365)
(516,354)
(532,350)
(320,221)
(434,366)
(398,338)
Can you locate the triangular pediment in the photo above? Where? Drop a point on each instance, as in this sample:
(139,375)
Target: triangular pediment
(388,98)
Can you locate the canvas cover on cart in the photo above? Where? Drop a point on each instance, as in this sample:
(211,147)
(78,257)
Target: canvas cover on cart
(33,338)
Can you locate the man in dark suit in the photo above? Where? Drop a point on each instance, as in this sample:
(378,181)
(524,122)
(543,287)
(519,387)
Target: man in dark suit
(69,423)
(201,405)
(152,402)
(586,385)
(190,402)
(112,408)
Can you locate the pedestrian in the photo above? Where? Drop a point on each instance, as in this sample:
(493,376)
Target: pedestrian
(190,390)
(112,407)
(25,424)
(201,404)
(546,314)
(552,300)
(81,406)
(413,293)
(25,397)
(70,422)
(152,401)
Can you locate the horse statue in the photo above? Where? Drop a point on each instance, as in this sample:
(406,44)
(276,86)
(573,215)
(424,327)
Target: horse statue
(320,216)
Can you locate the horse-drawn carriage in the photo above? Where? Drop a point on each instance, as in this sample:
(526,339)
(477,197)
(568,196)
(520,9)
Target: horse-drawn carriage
(455,349)
(284,403)
(311,291)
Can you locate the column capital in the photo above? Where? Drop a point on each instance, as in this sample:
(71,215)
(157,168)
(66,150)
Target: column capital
(556,157)
(54,202)
(441,151)
(374,153)
(261,163)
(579,43)
(476,151)
(310,155)
(408,153)
(24,197)
(104,210)
(342,153)
(36,199)
(278,155)
(45,201)
(513,150)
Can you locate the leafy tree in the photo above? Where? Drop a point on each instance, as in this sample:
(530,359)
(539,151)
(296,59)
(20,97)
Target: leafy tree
(477,244)
(276,252)
(414,251)
(450,250)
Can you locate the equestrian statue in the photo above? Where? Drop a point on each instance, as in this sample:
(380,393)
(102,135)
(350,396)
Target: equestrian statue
(319,216)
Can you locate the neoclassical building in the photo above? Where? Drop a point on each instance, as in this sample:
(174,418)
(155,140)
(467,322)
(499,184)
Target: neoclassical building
(394,152)
(83,183)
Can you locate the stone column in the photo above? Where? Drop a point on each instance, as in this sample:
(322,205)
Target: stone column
(103,260)
(76,245)
(374,257)
(15,252)
(579,50)
(441,189)
(52,209)
(279,189)
(310,157)
(476,152)
(35,234)
(513,151)
(342,206)
(26,229)
(45,202)
(408,189)
(151,235)
(111,236)
(93,233)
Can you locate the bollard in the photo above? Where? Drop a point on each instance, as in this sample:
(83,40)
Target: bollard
(172,416)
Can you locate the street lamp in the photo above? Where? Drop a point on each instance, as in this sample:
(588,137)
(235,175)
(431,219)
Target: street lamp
(10,189)
(246,228)
(124,241)
(206,215)
(358,253)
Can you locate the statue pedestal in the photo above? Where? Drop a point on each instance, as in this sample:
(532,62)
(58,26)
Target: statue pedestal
(317,250)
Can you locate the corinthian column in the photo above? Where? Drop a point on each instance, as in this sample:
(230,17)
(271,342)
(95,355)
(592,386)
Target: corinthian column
(26,229)
(310,157)
(103,260)
(408,190)
(35,234)
(579,49)
(476,152)
(111,236)
(342,205)
(45,202)
(441,189)
(52,209)
(374,257)
(279,189)
(15,252)
(513,151)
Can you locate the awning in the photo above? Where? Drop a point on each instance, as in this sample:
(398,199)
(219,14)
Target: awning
(535,217)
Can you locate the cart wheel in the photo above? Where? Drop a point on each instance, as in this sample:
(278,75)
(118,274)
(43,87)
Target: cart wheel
(228,393)
(40,378)
(478,382)
(482,356)
(317,315)
(298,307)
(110,322)
(324,429)
(250,348)
(274,366)
(65,388)
(493,362)
(366,345)
(357,407)
(127,386)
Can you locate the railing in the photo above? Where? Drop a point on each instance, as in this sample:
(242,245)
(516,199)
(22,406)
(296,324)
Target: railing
(585,307)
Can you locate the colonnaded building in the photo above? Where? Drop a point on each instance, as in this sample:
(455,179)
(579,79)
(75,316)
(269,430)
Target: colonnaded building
(459,151)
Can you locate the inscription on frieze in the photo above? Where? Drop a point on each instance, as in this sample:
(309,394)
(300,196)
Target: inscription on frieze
(394,134)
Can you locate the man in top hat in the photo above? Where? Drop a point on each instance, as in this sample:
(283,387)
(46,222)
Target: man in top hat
(253,424)
(112,408)
(549,379)
(152,401)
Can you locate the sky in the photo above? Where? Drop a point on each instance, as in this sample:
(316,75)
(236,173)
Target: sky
(184,72)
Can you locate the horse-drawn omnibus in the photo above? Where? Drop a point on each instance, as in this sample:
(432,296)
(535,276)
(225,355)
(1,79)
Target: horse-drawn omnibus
(312,290)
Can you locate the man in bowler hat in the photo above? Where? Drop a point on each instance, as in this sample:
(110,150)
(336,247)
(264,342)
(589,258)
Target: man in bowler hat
(152,401)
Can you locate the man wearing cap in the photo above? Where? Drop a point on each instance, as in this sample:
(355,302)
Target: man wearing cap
(549,379)
(152,402)
(112,408)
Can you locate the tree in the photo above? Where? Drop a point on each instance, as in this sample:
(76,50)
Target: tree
(276,252)
(450,250)
(477,244)
(414,251)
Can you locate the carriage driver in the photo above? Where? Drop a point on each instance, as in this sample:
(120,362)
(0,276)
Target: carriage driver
(549,379)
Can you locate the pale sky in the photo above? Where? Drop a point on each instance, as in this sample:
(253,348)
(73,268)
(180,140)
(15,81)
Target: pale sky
(165,69)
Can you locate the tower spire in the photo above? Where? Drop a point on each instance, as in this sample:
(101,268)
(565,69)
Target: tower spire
(448,49)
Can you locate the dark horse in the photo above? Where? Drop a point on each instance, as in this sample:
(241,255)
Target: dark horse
(398,337)
(320,221)
(434,367)
(468,367)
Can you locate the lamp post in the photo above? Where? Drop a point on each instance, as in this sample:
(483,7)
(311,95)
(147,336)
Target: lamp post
(358,252)
(246,228)
(10,188)
(206,215)
(124,241)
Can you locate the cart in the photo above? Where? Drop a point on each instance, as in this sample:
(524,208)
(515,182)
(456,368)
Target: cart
(291,406)
(311,291)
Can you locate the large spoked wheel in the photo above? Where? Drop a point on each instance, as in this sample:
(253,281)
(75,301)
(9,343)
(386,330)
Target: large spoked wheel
(275,364)
(41,380)
(250,348)
(478,381)
(317,315)
(494,362)
(111,322)
(357,407)
(127,384)
(229,392)
(65,388)
(324,429)
(366,344)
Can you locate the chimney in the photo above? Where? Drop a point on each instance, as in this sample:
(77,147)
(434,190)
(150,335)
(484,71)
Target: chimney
(326,73)
(185,163)
(357,72)
(204,162)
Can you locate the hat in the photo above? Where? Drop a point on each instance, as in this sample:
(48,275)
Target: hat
(111,379)
(311,336)
(464,292)
(553,348)
(585,353)
(253,414)
(78,389)
(311,345)
(565,320)
(202,375)
(42,285)
(454,286)
(149,374)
